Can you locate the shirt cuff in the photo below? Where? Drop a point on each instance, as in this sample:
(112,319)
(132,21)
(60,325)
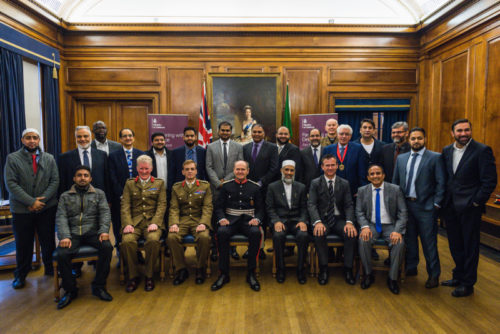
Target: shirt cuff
(366,226)
(349,222)
(317,221)
(437,206)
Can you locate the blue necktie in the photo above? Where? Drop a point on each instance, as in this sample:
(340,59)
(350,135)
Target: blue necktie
(190,154)
(378,219)
(410,173)
(129,162)
(315,154)
(86,161)
(254,151)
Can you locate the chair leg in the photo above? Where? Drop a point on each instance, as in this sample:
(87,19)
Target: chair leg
(316,262)
(162,263)
(56,283)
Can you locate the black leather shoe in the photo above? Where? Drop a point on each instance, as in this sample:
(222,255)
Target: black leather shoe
(412,272)
(463,291)
(323,277)
(235,255)
(387,262)
(432,283)
(367,281)
(280,276)
(219,283)
(252,281)
(200,275)
(301,277)
(67,299)
(349,277)
(181,276)
(451,282)
(132,284)
(375,256)
(18,283)
(245,255)
(102,294)
(149,284)
(76,272)
(393,286)
(262,254)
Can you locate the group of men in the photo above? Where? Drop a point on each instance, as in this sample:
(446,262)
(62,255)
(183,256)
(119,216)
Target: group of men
(358,190)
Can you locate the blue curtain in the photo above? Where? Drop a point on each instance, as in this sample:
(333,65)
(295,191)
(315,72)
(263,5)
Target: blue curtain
(391,117)
(12,117)
(50,91)
(353,118)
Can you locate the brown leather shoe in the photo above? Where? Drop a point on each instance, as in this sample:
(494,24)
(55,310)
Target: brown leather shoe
(150,284)
(132,284)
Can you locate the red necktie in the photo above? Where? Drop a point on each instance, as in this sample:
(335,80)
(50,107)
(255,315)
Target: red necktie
(34,163)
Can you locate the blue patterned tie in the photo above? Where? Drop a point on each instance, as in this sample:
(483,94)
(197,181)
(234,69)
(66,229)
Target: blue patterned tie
(190,154)
(86,161)
(410,173)
(378,219)
(129,162)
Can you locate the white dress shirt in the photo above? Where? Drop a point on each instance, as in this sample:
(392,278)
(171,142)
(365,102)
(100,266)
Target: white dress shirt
(368,147)
(384,215)
(458,153)
(288,194)
(102,146)
(161,165)
(413,192)
(80,153)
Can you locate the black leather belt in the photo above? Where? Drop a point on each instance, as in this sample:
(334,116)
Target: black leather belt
(412,199)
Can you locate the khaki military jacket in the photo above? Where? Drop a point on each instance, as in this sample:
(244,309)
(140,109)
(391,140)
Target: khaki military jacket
(143,202)
(191,204)
(325,141)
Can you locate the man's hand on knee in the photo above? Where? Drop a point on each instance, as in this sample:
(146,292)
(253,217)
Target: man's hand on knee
(201,228)
(152,228)
(65,243)
(128,229)
(174,228)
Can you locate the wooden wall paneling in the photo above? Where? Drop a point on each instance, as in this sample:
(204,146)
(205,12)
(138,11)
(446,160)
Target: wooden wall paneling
(134,115)
(124,76)
(92,111)
(477,89)
(244,69)
(184,92)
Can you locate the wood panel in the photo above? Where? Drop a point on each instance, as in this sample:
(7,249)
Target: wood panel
(372,76)
(184,87)
(130,76)
(93,111)
(134,115)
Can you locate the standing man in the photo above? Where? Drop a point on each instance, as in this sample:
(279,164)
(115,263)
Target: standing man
(351,158)
(239,209)
(286,204)
(381,213)
(32,180)
(420,175)
(100,142)
(331,211)
(189,151)
(142,209)
(331,126)
(390,152)
(162,158)
(190,213)
(311,157)
(288,151)
(371,146)
(83,218)
(471,178)
(122,166)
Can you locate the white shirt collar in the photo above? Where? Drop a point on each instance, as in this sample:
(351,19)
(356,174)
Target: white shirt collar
(125,149)
(327,179)
(381,187)
(463,148)
(419,152)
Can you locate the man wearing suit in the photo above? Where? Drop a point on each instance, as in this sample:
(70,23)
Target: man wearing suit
(100,142)
(351,158)
(84,155)
(331,211)
(288,151)
(471,178)
(122,166)
(390,152)
(331,126)
(162,158)
(381,213)
(311,156)
(189,151)
(286,204)
(420,175)
(371,146)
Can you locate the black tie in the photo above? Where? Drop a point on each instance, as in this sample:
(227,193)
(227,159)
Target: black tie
(225,157)
(330,216)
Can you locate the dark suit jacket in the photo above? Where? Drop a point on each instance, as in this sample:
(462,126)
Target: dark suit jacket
(475,177)
(375,157)
(318,202)
(112,146)
(355,165)
(68,161)
(277,205)
(290,152)
(118,170)
(178,158)
(151,153)
(388,151)
(310,170)
(265,168)
(429,178)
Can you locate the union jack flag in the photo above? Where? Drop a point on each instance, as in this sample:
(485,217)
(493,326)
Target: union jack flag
(204,127)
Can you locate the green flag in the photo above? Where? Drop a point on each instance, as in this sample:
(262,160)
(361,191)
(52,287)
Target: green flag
(287,117)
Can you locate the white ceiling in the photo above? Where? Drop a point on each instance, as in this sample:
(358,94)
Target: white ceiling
(390,12)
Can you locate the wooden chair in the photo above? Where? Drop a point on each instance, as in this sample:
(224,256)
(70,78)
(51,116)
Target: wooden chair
(241,240)
(140,248)
(379,265)
(188,241)
(289,242)
(336,242)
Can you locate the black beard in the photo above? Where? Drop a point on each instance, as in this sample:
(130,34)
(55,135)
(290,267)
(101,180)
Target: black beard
(283,142)
(30,150)
(82,189)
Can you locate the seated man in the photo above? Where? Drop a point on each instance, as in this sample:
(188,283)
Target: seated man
(190,213)
(143,206)
(286,203)
(83,218)
(381,213)
(239,209)
(331,211)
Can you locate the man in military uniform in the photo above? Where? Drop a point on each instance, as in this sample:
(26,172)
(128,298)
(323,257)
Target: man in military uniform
(143,206)
(190,213)
(239,209)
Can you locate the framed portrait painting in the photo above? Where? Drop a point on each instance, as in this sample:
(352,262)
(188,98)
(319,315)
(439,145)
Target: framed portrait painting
(244,100)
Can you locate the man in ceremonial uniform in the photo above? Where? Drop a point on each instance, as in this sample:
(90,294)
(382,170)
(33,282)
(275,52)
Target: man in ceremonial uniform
(190,213)
(239,209)
(143,206)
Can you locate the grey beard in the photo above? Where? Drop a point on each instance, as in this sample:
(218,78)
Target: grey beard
(287,180)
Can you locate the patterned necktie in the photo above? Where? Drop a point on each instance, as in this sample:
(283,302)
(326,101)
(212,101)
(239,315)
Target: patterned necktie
(129,162)
(190,154)
(315,155)
(378,219)
(86,161)
(342,148)
(254,152)
(330,215)
(33,156)
(410,174)
(225,156)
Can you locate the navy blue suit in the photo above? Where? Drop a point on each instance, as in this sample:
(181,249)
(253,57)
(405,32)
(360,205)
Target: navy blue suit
(178,158)
(376,156)
(355,165)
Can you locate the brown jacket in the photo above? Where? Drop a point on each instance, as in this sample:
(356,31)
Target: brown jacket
(325,141)
(191,204)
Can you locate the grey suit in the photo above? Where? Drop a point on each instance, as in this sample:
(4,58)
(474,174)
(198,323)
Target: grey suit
(215,162)
(396,210)
(422,215)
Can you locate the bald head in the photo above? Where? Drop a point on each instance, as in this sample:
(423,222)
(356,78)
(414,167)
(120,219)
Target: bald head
(331,127)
